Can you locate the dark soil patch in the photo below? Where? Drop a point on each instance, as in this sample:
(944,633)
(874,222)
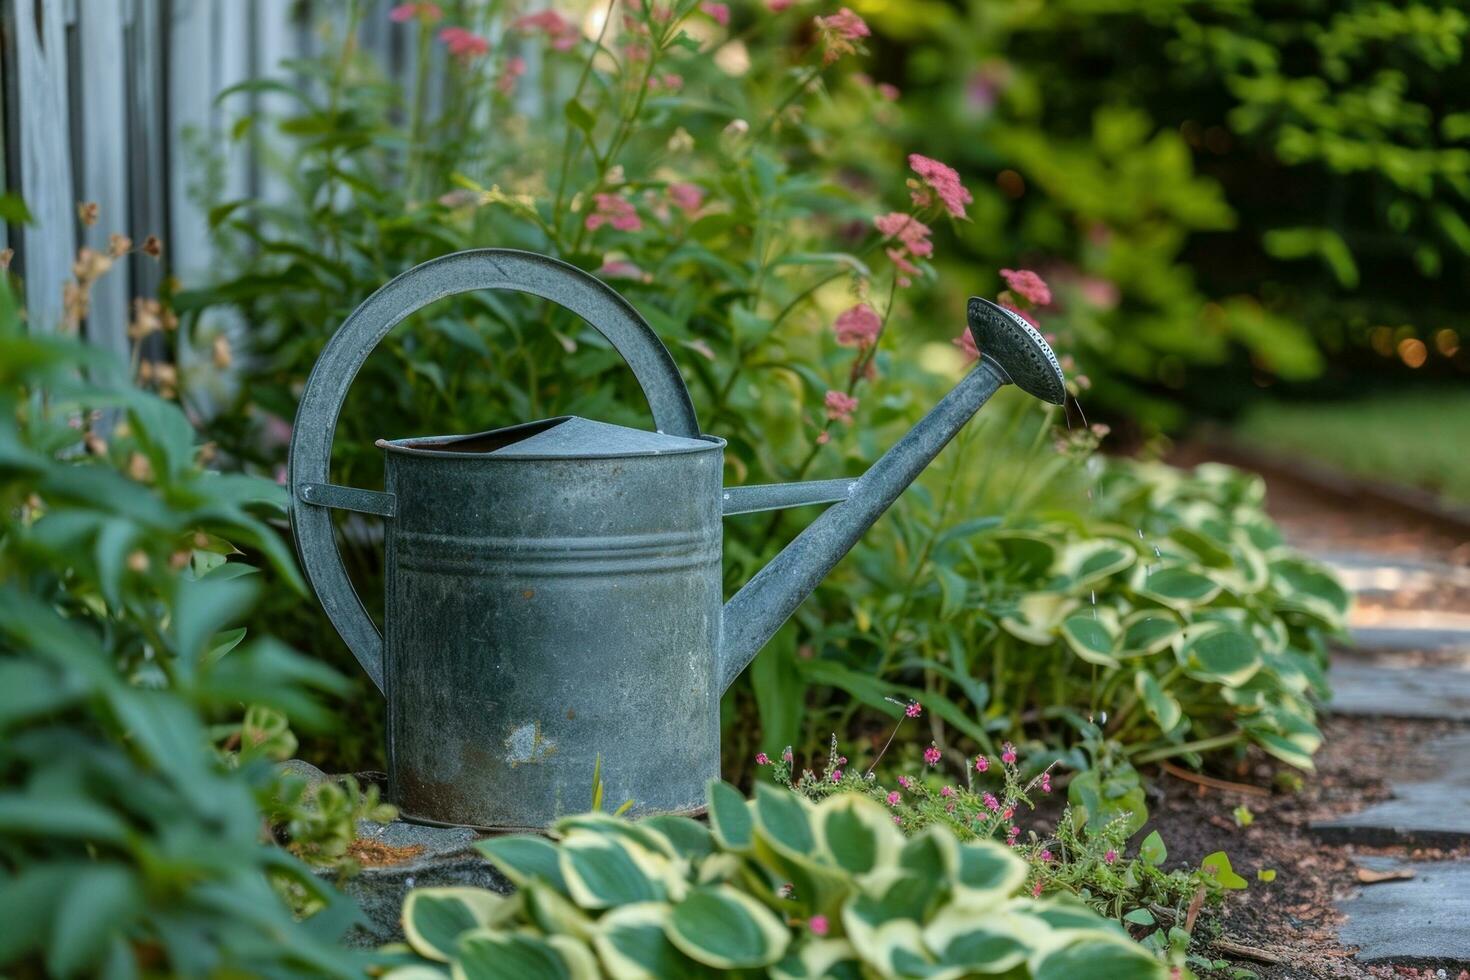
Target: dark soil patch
(1292,919)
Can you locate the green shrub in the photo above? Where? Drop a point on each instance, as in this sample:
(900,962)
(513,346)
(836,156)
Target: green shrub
(128,844)
(774,885)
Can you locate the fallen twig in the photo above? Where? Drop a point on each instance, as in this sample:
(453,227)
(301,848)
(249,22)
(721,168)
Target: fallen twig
(1369,876)
(1244,952)
(1212,782)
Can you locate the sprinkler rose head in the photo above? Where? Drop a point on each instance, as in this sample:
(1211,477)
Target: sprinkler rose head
(1013,345)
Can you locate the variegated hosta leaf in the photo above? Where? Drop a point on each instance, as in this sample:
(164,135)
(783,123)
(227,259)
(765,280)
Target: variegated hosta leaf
(602,871)
(786,843)
(435,918)
(1174,586)
(1283,748)
(1089,562)
(687,838)
(980,943)
(1295,737)
(553,913)
(633,944)
(898,951)
(1160,705)
(1219,654)
(901,895)
(1147,632)
(1313,587)
(857,834)
(1088,636)
(1038,616)
(1202,547)
(523,857)
(1064,919)
(784,820)
(815,958)
(930,854)
(984,874)
(605,823)
(417,971)
(1097,957)
(730,818)
(724,928)
(489,954)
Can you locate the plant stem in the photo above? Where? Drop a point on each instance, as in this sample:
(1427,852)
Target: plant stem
(1199,745)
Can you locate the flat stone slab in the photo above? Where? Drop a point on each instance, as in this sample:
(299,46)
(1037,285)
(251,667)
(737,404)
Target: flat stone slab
(1399,692)
(1433,812)
(412,856)
(1421,921)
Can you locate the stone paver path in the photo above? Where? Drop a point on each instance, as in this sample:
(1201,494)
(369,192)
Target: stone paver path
(1422,920)
(1429,812)
(1399,692)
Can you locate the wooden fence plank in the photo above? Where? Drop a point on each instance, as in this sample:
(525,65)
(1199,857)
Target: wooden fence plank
(44,157)
(104,161)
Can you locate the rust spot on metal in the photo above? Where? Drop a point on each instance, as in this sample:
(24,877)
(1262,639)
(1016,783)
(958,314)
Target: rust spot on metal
(528,593)
(525,745)
(571,713)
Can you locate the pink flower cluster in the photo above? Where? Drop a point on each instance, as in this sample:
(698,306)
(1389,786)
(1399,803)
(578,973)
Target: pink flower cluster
(686,197)
(982,763)
(1028,285)
(464,45)
(718,12)
(515,67)
(858,326)
(761,759)
(911,238)
(1007,753)
(561,32)
(941,180)
(840,406)
(839,33)
(610,209)
(913,710)
(931,755)
(425,10)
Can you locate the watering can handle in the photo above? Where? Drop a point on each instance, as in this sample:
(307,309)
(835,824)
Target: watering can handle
(326,389)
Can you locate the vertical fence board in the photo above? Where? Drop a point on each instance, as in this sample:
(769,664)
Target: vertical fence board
(143,39)
(104,162)
(44,156)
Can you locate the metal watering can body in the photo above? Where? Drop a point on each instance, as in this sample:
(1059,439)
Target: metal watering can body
(554,589)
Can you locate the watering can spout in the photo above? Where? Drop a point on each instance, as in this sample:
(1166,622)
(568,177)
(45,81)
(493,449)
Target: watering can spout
(1011,351)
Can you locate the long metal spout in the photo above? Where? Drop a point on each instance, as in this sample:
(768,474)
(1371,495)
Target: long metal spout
(1011,351)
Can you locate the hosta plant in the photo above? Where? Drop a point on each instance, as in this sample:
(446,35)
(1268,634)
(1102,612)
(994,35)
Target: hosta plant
(774,886)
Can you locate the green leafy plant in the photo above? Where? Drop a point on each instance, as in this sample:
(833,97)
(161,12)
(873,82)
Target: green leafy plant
(774,885)
(127,844)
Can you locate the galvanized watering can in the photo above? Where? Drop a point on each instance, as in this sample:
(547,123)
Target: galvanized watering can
(554,588)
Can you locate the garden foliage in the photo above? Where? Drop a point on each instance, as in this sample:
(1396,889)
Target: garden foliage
(128,843)
(773,886)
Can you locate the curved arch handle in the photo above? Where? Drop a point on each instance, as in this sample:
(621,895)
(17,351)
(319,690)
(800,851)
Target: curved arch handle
(326,389)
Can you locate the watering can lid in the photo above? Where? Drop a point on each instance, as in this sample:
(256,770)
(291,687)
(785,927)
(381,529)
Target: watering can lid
(567,437)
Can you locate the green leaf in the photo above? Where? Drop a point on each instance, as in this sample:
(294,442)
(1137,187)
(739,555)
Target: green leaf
(523,857)
(1088,562)
(579,116)
(857,834)
(1221,655)
(1152,850)
(686,838)
(729,816)
(434,919)
(633,944)
(489,954)
(727,929)
(978,943)
(13,210)
(1147,632)
(1096,801)
(784,820)
(1090,639)
(1097,958)
(101,902)
(985,874)
(602,872)
(1174,586)
(1218,865)
(822,958)
(1038,617)
(1160,705)
(1282,748)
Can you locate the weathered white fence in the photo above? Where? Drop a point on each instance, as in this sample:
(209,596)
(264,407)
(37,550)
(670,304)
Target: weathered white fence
(108,101)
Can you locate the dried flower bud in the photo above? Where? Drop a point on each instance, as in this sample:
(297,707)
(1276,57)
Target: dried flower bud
(88,212)
(96,445)
(7,255)
(138,561)
(221,352)
(118,245)
(139,468)
(152,247)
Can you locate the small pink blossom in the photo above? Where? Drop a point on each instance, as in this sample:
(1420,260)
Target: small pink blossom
(991,803)
(836,775)
(462,44)
(1014,832)
(1046,782)
(893,798)
(1036,890)
(1028,285)
(906,270)
(818,924)
(947,791)
(718,12)
(858,326)
(779,6)
(888,91)
(515,67)
(786,756)
(824,437)
(931,755)
(1098,292)
(898,820)
(1045,854)
(981,763)
(906,782)
(912,232)
(1009,812)
(561,32)
(669,81)
(839,32)
(1110,857)
(614,210)
(949,808)
(840,406)
(943,180)
(761,759)
(687,197)
(913,710)
(424,10)
(1007,753)
(966,343)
